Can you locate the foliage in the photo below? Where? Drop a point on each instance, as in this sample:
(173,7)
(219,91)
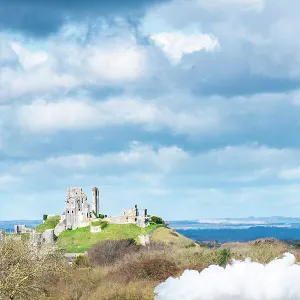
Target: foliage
(45,217)
(50,223)
(190,245)
(107,252)
(156,269)
(157,220)
(81,261)
(36,275)
(224,257)
(101,216)
(102,224)
(297,244)
(21,269)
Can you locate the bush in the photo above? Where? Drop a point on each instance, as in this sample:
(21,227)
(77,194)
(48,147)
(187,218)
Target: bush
(81,261)
(157,220)
(102,224)
(45,217)
(190,245)
(108,252)
(101,216)
(155,269)
(224,257)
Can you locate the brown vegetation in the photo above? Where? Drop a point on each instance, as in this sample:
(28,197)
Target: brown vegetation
(113,269)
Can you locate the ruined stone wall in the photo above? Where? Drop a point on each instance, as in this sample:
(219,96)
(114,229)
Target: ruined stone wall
(22,229)
(47,238)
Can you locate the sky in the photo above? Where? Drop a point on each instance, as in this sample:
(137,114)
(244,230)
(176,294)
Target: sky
(188,108)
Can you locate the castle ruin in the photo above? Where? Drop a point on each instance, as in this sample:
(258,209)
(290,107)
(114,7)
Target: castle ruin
(131,216)
(78,214)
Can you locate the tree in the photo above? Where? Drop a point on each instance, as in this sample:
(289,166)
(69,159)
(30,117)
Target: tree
(157,220)
(22,270)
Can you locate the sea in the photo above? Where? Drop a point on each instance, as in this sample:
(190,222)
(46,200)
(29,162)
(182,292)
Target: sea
(221,230)
(239,230)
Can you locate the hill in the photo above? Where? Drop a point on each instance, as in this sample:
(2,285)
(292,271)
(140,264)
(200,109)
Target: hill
(81,239)
(170,236)
(50,223)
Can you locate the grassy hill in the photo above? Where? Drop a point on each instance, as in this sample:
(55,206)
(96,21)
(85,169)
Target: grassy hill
(81,239)
(50,223)
(167,236)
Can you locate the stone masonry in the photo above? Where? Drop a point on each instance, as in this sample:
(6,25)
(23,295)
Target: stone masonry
(77,211)
(95,203)
(131,216)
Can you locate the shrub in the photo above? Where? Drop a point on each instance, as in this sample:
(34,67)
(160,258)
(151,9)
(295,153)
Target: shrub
(108,252)
(224,257)
(45,217)
(81,261)
(101,216)
(190,245)
(155,269)
(157,220)
(103,224)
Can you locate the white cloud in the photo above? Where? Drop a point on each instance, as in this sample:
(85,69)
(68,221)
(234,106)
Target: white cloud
(176,44)
(138,155)
(7,180)
(290,173)
(43,116)
(229,4)
(28,59)
(65,65)
(242,280)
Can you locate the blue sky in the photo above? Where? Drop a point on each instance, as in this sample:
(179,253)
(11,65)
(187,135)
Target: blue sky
(190,108)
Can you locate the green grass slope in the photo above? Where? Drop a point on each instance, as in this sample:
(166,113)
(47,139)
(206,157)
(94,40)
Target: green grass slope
(81,239)
(50,223)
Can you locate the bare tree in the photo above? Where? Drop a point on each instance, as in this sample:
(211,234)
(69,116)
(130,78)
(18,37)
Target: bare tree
(22,269)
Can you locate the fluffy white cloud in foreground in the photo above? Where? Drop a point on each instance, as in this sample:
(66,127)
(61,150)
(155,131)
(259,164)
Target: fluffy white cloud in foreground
(278,280)
(176,44)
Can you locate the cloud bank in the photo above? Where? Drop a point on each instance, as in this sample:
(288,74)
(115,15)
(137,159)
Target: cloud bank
(243,280)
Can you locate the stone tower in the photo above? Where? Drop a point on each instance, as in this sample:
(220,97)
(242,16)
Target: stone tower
(95,202)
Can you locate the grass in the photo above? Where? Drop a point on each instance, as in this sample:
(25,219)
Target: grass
(167,235)
(81,239)
(50,223)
